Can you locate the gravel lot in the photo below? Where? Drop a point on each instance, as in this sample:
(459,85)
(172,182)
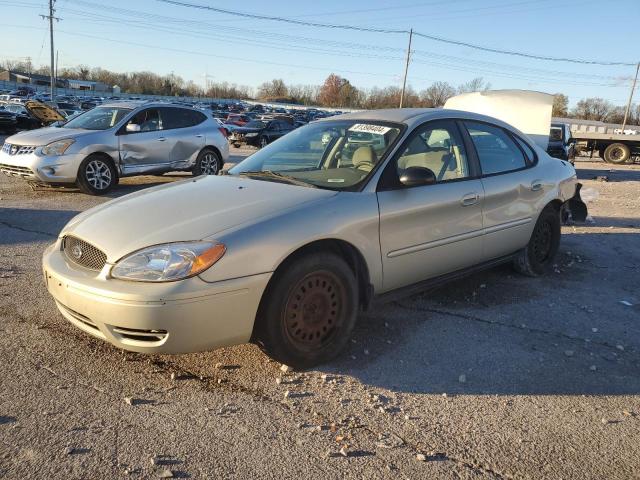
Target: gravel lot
(495,376)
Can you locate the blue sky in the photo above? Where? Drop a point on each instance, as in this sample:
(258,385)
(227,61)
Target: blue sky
(199,45)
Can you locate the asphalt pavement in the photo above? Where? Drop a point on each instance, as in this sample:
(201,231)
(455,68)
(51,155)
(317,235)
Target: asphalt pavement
(494,376)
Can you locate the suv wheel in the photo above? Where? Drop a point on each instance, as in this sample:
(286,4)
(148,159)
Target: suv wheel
(207,163)
(537,257)
(308,311)
(97,175)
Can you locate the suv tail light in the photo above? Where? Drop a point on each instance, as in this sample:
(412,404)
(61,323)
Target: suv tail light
(223,131)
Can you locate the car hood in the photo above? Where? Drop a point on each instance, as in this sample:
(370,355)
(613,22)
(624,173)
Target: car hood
(247,130)
(43,112)
(44,136)
(185,211)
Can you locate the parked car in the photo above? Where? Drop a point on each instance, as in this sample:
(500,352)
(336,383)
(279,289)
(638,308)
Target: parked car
(238,119)
(8,122)
(115,140)
(285,249)
(33,114)
(88,105)
(259,133)
(561,144)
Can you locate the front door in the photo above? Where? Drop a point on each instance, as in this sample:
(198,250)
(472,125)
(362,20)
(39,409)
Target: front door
(147,148)
(430,230)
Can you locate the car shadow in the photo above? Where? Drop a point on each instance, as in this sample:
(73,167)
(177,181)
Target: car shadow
(608,173)
(498,333)
(26,225)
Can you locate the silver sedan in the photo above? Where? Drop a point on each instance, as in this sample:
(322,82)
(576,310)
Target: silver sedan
(287,247)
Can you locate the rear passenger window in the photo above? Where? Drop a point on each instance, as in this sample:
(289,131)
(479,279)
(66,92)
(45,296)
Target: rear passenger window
(180,118)
(528,151)
(497,152)
(438,147)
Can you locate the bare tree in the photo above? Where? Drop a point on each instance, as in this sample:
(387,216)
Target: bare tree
(594,108)
(276,88)
(476,85)
(437,94)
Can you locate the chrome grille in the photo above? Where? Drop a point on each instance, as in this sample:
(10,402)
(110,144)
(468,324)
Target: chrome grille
(15,170)
(83,253)
(10,149)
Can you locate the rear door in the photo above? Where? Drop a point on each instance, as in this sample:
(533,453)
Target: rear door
(147,148)
(430,230)
(184,130)
(512,190)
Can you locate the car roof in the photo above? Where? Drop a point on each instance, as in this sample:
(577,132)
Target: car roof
(133,104)
(413,116)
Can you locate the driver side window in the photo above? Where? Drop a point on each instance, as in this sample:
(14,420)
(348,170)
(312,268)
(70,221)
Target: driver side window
(148,120)
(438,147)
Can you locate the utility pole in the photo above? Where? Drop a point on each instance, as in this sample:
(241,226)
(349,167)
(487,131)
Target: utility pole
(57,65)
(29,69)
(406,69)
(51,18)
(633,87)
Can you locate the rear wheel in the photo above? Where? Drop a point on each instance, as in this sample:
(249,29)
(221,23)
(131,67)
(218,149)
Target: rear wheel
(308,311)
(537,257)
(207,163)
(617,153)
(97,175)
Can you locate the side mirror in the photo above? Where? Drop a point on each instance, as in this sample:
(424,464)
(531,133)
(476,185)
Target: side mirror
(133,128)
(416,176)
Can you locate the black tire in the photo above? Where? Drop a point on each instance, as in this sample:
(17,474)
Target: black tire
(617,153)
(263,142)
(308,311)
(207,163)
(537,257)
(97,175)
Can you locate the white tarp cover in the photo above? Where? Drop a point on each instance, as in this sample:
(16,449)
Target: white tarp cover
(528,111)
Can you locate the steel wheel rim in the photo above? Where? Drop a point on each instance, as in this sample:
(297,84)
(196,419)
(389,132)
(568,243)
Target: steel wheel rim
(542,242)
(314,310)
(209,164)
(616,153)
(98,174)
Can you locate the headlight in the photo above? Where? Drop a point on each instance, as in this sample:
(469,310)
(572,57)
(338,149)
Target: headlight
(169,262)
(253,134)
(57,148)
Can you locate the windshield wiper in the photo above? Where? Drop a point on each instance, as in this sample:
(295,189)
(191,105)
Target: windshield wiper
(277,176)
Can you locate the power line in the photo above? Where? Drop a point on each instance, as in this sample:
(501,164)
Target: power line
(380,30)
(292,43)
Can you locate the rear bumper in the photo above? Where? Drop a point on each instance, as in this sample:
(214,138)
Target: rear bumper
(177,317)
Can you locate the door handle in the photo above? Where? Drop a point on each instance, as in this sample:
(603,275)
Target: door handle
(536,185)
(199,136)
(161,139)
(470,199)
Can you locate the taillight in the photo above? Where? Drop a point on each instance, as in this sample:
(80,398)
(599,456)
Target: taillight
(223,131)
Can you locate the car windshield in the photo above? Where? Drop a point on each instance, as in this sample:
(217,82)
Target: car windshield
(335,155)
(100,118)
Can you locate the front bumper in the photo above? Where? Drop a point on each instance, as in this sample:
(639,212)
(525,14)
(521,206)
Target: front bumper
(37,168)
(177,317)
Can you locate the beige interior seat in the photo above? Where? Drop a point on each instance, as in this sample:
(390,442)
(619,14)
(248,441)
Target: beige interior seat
(364,158)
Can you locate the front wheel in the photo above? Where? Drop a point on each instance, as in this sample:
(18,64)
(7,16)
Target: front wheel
(308,311)
(207,163)
(97,175)
(537,257)
(264,141)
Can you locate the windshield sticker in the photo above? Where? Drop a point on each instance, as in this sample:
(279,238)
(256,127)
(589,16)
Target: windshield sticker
(368,128)
(335,180)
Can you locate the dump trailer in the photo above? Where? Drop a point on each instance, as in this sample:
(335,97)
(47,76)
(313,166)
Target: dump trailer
(607,139)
